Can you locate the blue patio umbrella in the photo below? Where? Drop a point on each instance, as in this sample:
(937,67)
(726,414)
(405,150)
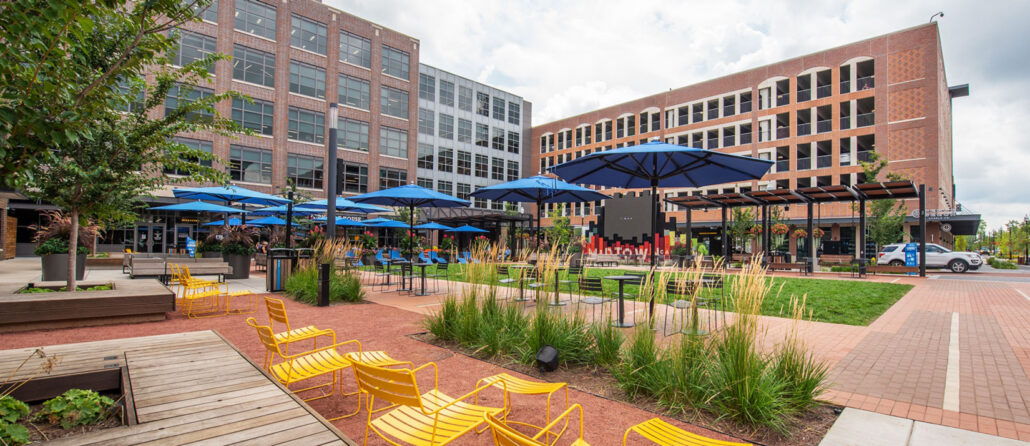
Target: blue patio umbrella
(199,206)
(375,220)
(410,196)
(229,194)
(538,189)
(656,164)
(232,222)
(343,205)
(467,228)
(433,226)
(268,221)
(282,209)
(340,221)
(389,224)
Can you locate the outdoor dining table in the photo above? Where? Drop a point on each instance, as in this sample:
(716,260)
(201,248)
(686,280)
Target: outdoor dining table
(522,282)
(423,267)
(557,277)
(406,279)
(622,310)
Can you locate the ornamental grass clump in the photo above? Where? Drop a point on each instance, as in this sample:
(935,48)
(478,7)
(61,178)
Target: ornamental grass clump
(794,364)
(568,334)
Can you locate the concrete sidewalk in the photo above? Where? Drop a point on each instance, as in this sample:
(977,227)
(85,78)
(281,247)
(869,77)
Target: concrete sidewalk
(859,427)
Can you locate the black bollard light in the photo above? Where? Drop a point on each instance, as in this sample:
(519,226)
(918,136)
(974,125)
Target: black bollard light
(323,284)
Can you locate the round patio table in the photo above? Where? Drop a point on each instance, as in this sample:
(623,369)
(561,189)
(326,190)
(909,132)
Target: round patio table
(423,267)
(405,268)
(622,309)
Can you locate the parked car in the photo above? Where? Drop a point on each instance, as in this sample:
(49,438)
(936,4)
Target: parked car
(937,256)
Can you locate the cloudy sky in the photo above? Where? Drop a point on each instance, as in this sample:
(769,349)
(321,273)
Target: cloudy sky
(568,57)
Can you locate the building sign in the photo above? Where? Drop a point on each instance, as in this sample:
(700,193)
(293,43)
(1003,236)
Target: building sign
(936,214)
(191,246)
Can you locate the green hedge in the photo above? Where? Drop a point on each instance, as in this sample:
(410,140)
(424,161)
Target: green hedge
(302,285)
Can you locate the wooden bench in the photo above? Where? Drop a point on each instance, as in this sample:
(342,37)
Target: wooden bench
(785,266)
(143,267)
(891,269)
(601,260)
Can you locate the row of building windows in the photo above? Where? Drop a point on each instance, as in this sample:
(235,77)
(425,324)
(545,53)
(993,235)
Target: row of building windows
(464,192)
(484,166)
(427,90)
(427,125)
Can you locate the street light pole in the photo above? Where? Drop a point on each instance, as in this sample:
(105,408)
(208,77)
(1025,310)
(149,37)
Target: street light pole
(330,182)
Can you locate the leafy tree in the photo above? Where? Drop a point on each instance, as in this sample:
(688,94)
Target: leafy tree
(63,65)
(129,154)
(560,231)
(886,217)
(740,228)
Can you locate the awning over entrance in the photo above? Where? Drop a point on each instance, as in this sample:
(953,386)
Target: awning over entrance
(804,195)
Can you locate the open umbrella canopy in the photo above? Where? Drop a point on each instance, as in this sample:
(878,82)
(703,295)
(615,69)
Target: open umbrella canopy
(390,224)
(268,221)
(657,164)
(340,221)
(342,205)
(433,226)
(538,189)
(281,210)
(410,195)
(374,221)
(199,206)
(467,228)
(229,193)
(232,222)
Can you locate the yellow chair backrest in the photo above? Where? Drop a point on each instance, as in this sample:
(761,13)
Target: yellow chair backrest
(266,336)
(506,436)
(276,312)
(397,386)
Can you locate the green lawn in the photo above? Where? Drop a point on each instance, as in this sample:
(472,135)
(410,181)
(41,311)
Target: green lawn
(835,301)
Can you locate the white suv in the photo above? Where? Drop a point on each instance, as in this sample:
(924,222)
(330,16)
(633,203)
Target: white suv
(937,256)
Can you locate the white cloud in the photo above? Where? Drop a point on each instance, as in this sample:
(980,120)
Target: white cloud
(570,57)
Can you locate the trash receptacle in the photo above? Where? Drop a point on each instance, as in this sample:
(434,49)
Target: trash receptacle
(280,264)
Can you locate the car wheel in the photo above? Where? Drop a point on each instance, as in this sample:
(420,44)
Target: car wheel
(897,263)
(958,266)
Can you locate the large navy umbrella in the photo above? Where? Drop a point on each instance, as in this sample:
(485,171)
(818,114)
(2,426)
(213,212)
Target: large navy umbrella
(657,164)
(538,189)
(229,194)
(199,206)
(411,196)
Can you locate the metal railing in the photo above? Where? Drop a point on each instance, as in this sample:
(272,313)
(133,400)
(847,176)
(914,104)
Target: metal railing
(729,140)
(804,128)
(845,86)
(823,161)
(764,136)
(745,138)
(823,126)
(783,165)
(804,163)
(865,83)
(782,132)
(865,119)
(745,107)
(823,91)
(698,117)
(845,159)
(729,110)
(713,143)
(845,122)
(783,99)
(804,95)
(864,155)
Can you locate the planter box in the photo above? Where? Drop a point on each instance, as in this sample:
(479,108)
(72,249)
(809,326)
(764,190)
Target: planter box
(129,301)
(55,267)
(240,266)
(211,254)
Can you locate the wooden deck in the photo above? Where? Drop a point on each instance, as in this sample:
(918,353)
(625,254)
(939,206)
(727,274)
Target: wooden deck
(189,388)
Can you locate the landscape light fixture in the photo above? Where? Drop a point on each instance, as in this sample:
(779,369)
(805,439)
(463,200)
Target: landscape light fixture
(330,182)
(939,14)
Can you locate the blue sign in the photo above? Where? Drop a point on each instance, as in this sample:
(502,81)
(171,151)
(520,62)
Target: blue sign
(911,254)
(191,246)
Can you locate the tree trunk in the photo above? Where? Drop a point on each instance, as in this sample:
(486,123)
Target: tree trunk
(73,240)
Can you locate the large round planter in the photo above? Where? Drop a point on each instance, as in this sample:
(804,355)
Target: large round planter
(240,266)
(576,259)
(55,267)
(368,260)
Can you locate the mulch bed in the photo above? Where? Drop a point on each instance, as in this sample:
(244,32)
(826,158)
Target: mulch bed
(809,429)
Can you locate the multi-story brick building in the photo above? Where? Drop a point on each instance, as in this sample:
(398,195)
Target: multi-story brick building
(470,135)
(816,116)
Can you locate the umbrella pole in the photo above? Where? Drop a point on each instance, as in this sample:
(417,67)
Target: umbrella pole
(411,231)
(539,210)
(654,232)
(289,219)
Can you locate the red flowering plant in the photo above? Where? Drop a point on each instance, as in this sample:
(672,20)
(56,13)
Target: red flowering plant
(446,243)
(755,231)
(481,242)
(779,233)
(799,233)
(368,244)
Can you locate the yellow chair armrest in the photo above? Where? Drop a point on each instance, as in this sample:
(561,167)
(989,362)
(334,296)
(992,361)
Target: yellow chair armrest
(470,394)
(338,344)
(436,373)
(574,407)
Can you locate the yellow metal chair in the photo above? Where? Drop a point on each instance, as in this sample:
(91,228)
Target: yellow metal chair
(665,434)
(277,313)
(504,435)
(512,384)
(200,300)
(316,363)
(432,418)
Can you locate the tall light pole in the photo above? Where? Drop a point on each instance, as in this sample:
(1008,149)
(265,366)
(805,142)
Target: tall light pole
(330,181)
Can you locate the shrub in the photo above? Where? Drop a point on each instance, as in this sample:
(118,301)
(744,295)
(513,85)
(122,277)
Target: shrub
(742,389)
(75,407)
(642,370)
(57,246)
(59,227)
(1000,264)
(302,285)
(212,246)
(567,334)
(607,342)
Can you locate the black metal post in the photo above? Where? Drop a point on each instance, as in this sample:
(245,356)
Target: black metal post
(725,238)
(330,184)
(289,220)
(810,241)
(654,243)
(690,233)
(922,230)
(539,210)
(861,228)
(765,233)
(323,284)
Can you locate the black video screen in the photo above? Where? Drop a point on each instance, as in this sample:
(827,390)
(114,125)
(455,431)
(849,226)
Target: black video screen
(627,218)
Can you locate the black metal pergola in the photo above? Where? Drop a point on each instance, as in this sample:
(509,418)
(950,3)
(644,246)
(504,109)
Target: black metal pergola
(809,196)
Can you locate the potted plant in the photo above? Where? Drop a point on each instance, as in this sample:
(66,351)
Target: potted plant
(779,234)
(446,245)
(576,251)
(237,248)
(368,245)
(210,249)
(52,246)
